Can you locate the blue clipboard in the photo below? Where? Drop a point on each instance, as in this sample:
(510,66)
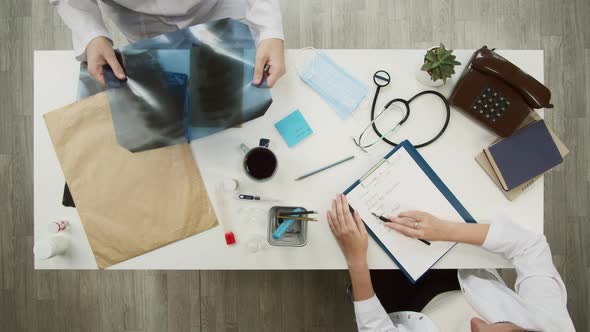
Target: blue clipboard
(435,180)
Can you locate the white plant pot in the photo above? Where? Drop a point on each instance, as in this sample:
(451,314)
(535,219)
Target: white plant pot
(424,78)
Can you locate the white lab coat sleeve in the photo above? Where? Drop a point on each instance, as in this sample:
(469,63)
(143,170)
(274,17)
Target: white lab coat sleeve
(84,19)
(264,17)
(371,316)
(538,282)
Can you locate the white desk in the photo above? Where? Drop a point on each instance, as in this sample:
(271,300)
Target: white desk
(219,157)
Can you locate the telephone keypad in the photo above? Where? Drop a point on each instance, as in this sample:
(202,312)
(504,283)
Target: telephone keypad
(490,105)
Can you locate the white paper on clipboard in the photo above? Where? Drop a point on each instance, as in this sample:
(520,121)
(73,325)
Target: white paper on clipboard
(400,184)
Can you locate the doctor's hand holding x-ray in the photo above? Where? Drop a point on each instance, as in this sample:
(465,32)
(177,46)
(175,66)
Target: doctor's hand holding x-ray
(145,19)
(270,51)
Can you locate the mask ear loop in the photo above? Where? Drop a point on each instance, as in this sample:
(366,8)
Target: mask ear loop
(299,57)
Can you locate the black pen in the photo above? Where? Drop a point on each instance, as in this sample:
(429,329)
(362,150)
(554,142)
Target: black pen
(382,218)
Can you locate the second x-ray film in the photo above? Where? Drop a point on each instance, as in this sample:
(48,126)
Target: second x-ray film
(184,85)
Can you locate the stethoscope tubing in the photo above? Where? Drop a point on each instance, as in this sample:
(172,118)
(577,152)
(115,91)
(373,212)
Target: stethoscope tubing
(407,104)
(385,78)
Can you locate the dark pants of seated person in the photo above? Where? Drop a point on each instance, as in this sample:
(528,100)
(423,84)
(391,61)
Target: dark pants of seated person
(397,293)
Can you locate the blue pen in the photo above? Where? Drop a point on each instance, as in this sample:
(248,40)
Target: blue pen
(284,226)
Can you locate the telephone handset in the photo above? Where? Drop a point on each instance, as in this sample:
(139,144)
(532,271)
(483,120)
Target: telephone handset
(497,93)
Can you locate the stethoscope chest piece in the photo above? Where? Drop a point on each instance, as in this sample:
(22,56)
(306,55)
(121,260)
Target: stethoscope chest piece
(381,78)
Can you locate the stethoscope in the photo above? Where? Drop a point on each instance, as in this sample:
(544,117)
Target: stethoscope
(381,79)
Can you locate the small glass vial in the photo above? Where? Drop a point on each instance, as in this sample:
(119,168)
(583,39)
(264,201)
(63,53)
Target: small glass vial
(255,244)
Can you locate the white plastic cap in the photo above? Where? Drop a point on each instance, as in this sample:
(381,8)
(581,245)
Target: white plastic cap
(230,185)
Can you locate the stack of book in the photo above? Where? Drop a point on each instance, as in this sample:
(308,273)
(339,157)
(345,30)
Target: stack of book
(516,162)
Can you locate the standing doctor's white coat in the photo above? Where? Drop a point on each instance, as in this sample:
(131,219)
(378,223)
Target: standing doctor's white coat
(140,19)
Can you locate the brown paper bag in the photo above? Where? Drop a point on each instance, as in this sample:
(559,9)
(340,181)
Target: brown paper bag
(129,203)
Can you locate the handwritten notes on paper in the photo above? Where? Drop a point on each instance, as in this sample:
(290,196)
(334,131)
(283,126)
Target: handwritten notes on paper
(400,184)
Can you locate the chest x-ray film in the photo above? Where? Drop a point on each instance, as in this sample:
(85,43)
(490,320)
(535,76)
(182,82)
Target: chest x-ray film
(148,107)
(156,106)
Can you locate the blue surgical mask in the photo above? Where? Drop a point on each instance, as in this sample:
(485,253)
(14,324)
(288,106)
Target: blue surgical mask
(342,91)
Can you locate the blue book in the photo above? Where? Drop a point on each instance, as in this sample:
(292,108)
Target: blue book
(403,181)
(529,152)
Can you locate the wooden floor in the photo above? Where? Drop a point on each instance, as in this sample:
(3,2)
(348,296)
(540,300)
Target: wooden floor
(284,301)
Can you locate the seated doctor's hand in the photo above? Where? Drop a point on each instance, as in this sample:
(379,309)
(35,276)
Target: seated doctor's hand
(350,232)
(100,52)
(270,52)
(420,225)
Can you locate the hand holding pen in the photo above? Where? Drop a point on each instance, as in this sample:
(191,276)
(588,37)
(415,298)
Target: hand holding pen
(423,225)
(414,225)
(420,225)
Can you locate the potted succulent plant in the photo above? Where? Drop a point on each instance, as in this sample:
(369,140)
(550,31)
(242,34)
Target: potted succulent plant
(439,66)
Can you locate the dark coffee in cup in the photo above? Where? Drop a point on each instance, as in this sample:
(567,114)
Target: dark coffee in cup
(260,163)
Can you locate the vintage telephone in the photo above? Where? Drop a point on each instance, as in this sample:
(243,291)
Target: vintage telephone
(497,93)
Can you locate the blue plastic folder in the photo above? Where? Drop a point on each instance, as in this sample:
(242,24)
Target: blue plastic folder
(293,128)
(369,178)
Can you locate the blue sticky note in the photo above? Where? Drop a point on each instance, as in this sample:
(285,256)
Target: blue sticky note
(293,128)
